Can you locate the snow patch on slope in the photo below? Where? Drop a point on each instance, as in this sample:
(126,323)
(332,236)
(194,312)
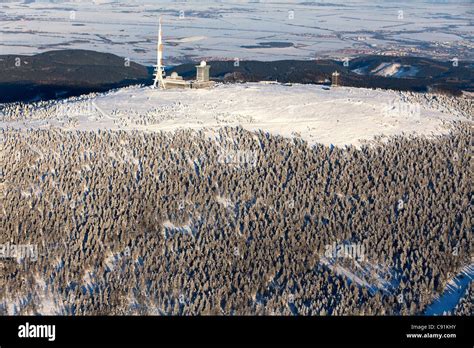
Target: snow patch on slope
(389,69)
(453,292)
(42,296)
(169,229)
(363,273)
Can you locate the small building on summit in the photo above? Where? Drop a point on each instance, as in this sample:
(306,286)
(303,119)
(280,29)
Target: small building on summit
(335,79)
(202,73)
(174,80)
(202,79)
(202,76)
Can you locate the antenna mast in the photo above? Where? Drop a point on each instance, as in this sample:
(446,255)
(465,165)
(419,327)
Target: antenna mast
(159,70)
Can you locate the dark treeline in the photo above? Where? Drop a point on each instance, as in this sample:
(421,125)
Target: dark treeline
(158,223)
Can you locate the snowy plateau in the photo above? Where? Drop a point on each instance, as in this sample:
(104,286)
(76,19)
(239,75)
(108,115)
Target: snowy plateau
(331,116)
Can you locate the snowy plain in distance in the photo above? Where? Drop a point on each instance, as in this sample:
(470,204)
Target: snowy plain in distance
(257,30)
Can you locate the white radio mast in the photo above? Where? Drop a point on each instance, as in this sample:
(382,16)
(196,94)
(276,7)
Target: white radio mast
(159,70)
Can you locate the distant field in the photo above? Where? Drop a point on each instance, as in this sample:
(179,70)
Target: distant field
(259,30)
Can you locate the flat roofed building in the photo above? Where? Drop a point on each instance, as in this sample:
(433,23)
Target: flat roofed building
(202,72)
(176,81)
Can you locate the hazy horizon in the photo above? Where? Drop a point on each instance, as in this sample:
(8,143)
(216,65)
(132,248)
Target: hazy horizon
(258,30)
